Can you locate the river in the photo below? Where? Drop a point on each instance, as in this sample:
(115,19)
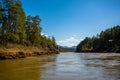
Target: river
(64,66)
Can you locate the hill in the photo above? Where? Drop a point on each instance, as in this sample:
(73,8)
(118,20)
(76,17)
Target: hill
(106,41)
(67,49)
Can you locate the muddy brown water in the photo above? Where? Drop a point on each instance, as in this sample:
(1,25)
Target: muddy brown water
(64,66)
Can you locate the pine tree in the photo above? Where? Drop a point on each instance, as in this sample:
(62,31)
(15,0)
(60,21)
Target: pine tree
(13,21)
(33,30)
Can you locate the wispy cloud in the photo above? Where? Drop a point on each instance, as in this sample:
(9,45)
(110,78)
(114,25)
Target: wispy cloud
(72,41)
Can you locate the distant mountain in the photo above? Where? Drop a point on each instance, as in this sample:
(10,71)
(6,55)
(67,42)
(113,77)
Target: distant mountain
(74,47)
(66,48)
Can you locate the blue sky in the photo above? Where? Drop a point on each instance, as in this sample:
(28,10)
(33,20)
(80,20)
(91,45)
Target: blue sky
(70,21)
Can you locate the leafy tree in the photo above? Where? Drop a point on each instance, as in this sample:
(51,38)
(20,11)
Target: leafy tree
(16,28)
(13,21)
(107,41)
(33,29)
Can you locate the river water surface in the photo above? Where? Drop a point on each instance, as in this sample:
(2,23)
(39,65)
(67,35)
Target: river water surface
(64,66)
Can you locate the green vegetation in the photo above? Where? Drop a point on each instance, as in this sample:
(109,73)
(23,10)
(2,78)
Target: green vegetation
(66,49)
(106,41)
(16,28)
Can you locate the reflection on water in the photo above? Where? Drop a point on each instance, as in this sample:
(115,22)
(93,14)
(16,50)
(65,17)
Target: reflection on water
(66,66)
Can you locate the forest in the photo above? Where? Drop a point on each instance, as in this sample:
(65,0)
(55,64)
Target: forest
(17,28)
(106,41)
(67,49)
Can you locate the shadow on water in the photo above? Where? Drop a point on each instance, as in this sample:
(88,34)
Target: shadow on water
(67,66)
(29,68)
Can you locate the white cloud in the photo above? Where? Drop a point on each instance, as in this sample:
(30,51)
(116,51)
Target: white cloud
(72,41)
(43,34)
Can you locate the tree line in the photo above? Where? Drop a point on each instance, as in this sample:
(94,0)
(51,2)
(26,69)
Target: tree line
(17,28)
(66,49)
(106,41)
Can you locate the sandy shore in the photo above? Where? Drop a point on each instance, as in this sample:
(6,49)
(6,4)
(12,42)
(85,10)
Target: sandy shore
(14,53)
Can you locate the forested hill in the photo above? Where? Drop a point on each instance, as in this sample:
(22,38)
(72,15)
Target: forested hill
(67,49)
(18,29)
(106,41)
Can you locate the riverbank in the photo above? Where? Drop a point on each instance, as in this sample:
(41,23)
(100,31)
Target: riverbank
(14,53)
